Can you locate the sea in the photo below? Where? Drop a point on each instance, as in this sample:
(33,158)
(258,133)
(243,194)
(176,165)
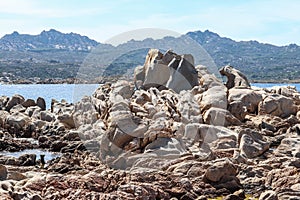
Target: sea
(68,92)
(74,92)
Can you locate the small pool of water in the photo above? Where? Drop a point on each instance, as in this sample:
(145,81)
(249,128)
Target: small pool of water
(37,152)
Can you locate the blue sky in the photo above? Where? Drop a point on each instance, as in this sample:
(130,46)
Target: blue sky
(269,21)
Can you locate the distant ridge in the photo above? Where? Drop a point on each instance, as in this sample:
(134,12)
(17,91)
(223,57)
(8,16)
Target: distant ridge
(258,60)
(51,39)
(52,54)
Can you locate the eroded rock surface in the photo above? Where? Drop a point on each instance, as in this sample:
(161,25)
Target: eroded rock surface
(234,77)
(168,139)
(169,70)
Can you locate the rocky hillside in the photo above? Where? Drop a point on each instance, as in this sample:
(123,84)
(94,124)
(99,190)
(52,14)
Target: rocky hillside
(259,61)
(46,40)
(50,55)
(56,55)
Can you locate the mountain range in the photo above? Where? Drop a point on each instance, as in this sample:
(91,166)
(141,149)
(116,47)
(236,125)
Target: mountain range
(51,39)
(55,55)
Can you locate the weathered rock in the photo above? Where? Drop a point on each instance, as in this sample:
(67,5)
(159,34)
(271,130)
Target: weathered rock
(206,79)
(289,147)
(216,172)
(232,197)
(209,133)
(71,136)
(183,73)
(139,76)
(73,146)
(122,88)
(119,137)
(61,107)
(176,72)
(17,108)
(214,97)
(234,77)
(16,176)
(220,117)
(27,160)
(3,173)
(15,100)
(243,102)
(156,70)
(6,187)
(157,154)
(289,195)
(281,179)
(277,105)
(296,187)
(268,195)
(56,146)
(18,121)
(67,120)
(189,108)
(3,116)
(3,102)
(223,174)
(14,145)
(296,128)
(85,112)
(124,129)
(5,195)
(268,122)
(289,91)
(28,102)
(252,144)
(39,124)
(123,126)
(40,102)
(141,97)
(152,144)
(102,92)
(202,139)
(33,111)
(46,116)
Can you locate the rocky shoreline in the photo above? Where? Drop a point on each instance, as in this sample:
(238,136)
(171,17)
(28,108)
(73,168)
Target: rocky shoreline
(55,81)
(139,140)
(109,80)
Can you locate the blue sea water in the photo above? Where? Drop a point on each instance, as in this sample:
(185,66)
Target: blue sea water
(69,92)
(73,92)
(48,155)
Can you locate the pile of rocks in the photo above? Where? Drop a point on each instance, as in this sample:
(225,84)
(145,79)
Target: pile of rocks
(177,131)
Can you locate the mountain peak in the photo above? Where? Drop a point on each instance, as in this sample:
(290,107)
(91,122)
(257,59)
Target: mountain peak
(208,32)
(51,32)
(51,39)
(15,33)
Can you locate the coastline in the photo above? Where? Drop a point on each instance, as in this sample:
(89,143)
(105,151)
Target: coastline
(74,154)
(284,81)
(191,143)
(115,79)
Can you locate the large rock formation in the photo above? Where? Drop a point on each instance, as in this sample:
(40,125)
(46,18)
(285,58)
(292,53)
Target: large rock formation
(234,77)
(167,70)
(196,140)
(277,105)
(243,102)
(15,100)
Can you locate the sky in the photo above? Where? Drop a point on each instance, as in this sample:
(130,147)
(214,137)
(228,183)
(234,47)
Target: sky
(268,21)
